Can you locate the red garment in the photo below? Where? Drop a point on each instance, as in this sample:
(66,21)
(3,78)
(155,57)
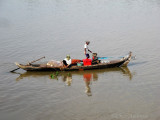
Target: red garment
(87,77)
(75,61)
(87,62)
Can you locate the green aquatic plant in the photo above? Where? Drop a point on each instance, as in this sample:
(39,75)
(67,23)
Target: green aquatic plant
(57,73)
(69,74)
(54,75)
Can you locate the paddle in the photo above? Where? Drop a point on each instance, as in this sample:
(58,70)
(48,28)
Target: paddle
(29,63)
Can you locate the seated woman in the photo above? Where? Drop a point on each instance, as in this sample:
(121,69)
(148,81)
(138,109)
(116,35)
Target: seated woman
(87,61)
(67,61)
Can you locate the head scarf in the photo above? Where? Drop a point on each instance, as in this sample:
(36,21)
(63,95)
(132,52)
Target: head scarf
(68,57)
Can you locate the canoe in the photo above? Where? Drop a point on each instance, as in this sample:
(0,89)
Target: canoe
(108,64)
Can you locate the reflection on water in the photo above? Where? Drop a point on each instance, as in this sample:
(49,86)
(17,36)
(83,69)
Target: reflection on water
(67,77)
(88,79)
(122,70)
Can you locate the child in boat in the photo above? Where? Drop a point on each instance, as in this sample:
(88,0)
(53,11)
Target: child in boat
(95,59)
(87,61)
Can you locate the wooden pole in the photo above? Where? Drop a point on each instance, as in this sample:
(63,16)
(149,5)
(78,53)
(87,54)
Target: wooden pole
(29,63)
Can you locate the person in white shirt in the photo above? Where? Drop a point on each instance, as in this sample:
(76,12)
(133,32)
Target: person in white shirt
(86,50)
(67,61)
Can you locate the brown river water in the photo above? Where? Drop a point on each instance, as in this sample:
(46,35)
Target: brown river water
(30,29)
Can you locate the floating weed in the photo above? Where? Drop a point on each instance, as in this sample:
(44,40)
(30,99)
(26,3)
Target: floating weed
(68,74)
(54,75)
(57,73)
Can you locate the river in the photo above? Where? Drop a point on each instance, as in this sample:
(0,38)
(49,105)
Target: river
(30,29)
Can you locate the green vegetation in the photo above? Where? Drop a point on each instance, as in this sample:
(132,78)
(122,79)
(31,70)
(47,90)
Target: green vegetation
(54,75)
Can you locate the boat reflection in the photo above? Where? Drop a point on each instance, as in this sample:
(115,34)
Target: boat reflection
(67,77)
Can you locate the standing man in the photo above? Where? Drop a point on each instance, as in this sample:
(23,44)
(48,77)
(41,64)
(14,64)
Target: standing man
(86,50)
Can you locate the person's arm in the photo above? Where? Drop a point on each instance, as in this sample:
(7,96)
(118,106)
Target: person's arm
(90,51)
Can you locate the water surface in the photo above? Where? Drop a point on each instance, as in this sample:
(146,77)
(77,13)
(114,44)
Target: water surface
(30,29)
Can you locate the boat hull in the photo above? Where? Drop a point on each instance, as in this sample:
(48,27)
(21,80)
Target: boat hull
(110,64)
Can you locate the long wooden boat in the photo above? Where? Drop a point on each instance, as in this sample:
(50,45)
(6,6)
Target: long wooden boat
(109,64)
